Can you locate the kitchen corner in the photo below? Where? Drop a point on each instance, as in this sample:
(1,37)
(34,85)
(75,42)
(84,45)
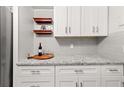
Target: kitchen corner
(82,43)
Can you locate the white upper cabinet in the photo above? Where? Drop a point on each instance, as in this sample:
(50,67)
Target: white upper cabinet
(74,21)
(60,21)
(94,21)
(81,21)
(103,21)
(67,21)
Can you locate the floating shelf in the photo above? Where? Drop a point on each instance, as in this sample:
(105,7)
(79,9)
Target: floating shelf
(43,20)
(42,57)
(43,32)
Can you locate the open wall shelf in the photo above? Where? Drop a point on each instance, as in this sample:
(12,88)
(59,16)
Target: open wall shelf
(43,32)
(43,20)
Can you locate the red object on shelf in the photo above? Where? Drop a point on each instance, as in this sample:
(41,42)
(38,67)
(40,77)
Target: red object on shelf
(43,31)
(43,20)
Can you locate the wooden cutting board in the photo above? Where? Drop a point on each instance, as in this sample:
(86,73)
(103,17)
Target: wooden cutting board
(43,57)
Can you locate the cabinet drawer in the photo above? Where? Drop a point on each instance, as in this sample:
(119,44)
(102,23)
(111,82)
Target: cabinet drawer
(30,71)
(34,81)
(112,81)
(78,70)
(115,70)
(42,84)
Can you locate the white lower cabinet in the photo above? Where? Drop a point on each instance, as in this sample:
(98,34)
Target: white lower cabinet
(90,76)
(77,76)
(74,81)
(112,76)
(69,76)
(34,76)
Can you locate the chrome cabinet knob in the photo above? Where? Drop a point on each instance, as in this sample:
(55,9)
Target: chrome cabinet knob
(76,84)
(66,30)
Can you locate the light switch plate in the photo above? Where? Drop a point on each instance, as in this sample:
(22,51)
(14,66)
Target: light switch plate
(71,45)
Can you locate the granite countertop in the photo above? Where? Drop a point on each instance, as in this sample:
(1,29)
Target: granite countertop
(70,60)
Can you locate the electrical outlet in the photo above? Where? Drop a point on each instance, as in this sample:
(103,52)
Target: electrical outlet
(71,46)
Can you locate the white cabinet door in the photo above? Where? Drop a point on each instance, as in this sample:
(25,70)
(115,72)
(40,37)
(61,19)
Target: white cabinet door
(78,76)
(94,21)
(89,81)
(67,21)
(102,27)
(66,81)
(90,20)
(60,21)
(114,81)
(74,13)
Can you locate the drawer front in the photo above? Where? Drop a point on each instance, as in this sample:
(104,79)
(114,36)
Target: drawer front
(30,71)
(43,84)
(34,82)
(78,70)
(115,70)
(112,81)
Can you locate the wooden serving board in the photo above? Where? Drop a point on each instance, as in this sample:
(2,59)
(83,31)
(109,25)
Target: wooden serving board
(43,57)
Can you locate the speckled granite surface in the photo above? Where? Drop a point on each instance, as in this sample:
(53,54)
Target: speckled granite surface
(70,60)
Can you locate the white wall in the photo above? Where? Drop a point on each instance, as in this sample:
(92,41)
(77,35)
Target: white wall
(111,46)
(25,31)
(61,46)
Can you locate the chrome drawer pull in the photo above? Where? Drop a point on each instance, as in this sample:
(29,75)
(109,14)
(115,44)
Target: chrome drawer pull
(79,70)
(35,86)
(76,84)
(113,70)
(35,72)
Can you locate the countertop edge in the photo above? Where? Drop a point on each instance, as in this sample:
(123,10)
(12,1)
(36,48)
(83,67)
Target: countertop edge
(81,64)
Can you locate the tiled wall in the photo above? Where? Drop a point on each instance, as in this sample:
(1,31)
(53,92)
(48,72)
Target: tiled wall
(62,46)
(111,46)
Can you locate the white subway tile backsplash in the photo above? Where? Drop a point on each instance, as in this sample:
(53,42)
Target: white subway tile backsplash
(60,46)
